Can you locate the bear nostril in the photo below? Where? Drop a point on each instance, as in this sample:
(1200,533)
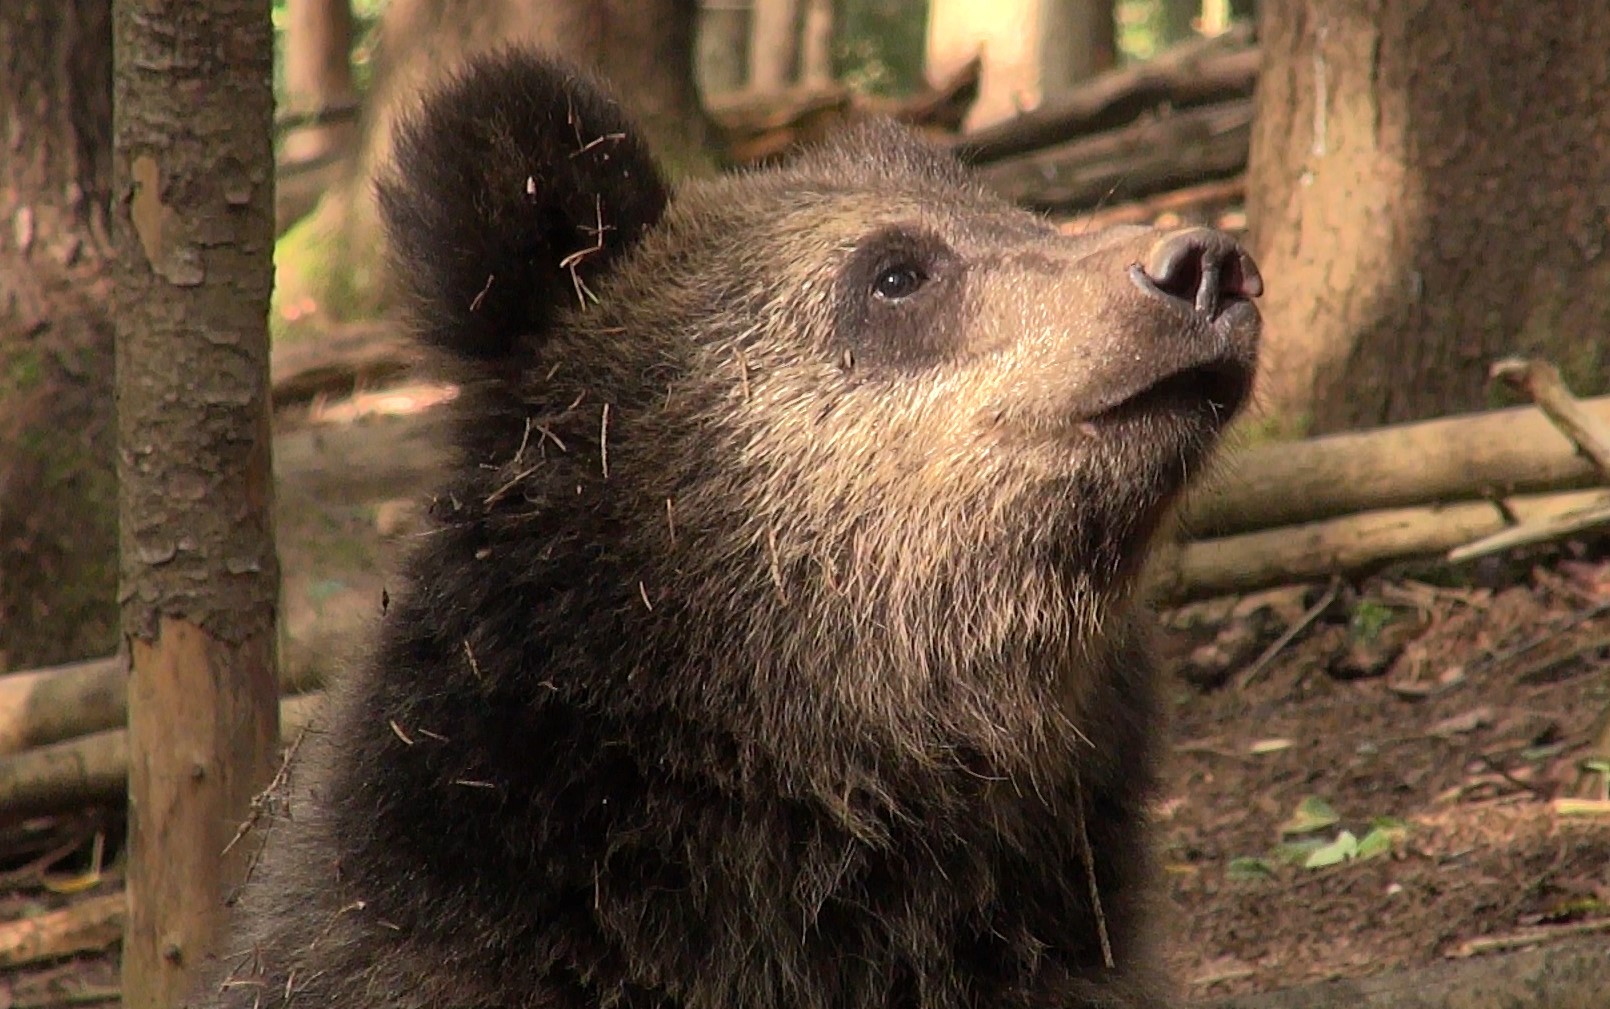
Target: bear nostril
(1205,269)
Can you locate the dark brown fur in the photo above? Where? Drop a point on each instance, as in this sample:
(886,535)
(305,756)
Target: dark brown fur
(775,647)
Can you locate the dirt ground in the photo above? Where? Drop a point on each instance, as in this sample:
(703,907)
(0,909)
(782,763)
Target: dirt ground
(1439,725)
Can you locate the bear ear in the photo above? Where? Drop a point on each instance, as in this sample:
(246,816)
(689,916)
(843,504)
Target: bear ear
(512,189)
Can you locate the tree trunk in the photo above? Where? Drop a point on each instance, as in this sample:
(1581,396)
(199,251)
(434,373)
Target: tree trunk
(722,46)
(1032,49)
(194,203)
(773,43)
(1176,20)
(58,532)
(643,48)
(318,83)
(1078,40)
(1428,192)
(318,76)
(816,43)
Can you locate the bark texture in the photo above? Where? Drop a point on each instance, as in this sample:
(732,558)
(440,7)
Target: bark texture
(194,206)
(58,530)
(1429,190)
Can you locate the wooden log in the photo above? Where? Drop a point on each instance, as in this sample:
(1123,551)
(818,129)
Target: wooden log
(1354,545)
(1151,156)
(1566,974)
(375,459)
(93,770)
(1541,383)
(1206,197)
(84,926)
(43,706)
(760,127)
(340,361)
(1195,73)
(1492,454)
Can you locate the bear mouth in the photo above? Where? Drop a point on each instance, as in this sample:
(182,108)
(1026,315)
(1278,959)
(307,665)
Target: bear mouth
(1213,391)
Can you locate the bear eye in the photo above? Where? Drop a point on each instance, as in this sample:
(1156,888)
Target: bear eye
(900,281)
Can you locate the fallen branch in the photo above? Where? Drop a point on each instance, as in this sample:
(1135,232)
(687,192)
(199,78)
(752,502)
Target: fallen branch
(376,459)
(1526,938)
(1595,515)
(340,361)
(93,770)
(84,926)
(760,127)
(1151,156)
(1201,199)
(39,707)
(1500,452)
(1541,383)
(1562,975)
(1350,546)
(1195,73)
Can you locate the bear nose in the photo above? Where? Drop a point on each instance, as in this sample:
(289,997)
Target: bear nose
(1202,268)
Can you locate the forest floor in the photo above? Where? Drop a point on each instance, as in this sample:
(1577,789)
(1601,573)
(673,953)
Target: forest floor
(1437,725)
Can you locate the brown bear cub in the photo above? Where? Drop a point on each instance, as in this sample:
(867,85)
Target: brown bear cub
(776,642)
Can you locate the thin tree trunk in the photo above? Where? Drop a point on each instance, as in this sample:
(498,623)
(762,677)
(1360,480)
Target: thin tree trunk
(194,205)
(773,45)
(1078,39)
(1032,49)
(816,43)
(1177,20)
(722,55)
(1427,192)
(58,532)
(318,75)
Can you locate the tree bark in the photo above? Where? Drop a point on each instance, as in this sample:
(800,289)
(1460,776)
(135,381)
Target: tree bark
(58,530)
(1426,193)
(773,45)
(194,205)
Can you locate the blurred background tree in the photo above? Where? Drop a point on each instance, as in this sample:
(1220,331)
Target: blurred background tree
(58,495)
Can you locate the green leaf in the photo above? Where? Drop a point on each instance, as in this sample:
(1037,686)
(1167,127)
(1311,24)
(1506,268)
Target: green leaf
(1248,867)
(1297,852)
(1338,851)
(1369,619)
(1312,814)
(1379,841)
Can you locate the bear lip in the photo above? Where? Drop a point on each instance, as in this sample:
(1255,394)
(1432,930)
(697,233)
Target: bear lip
(1215,388)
